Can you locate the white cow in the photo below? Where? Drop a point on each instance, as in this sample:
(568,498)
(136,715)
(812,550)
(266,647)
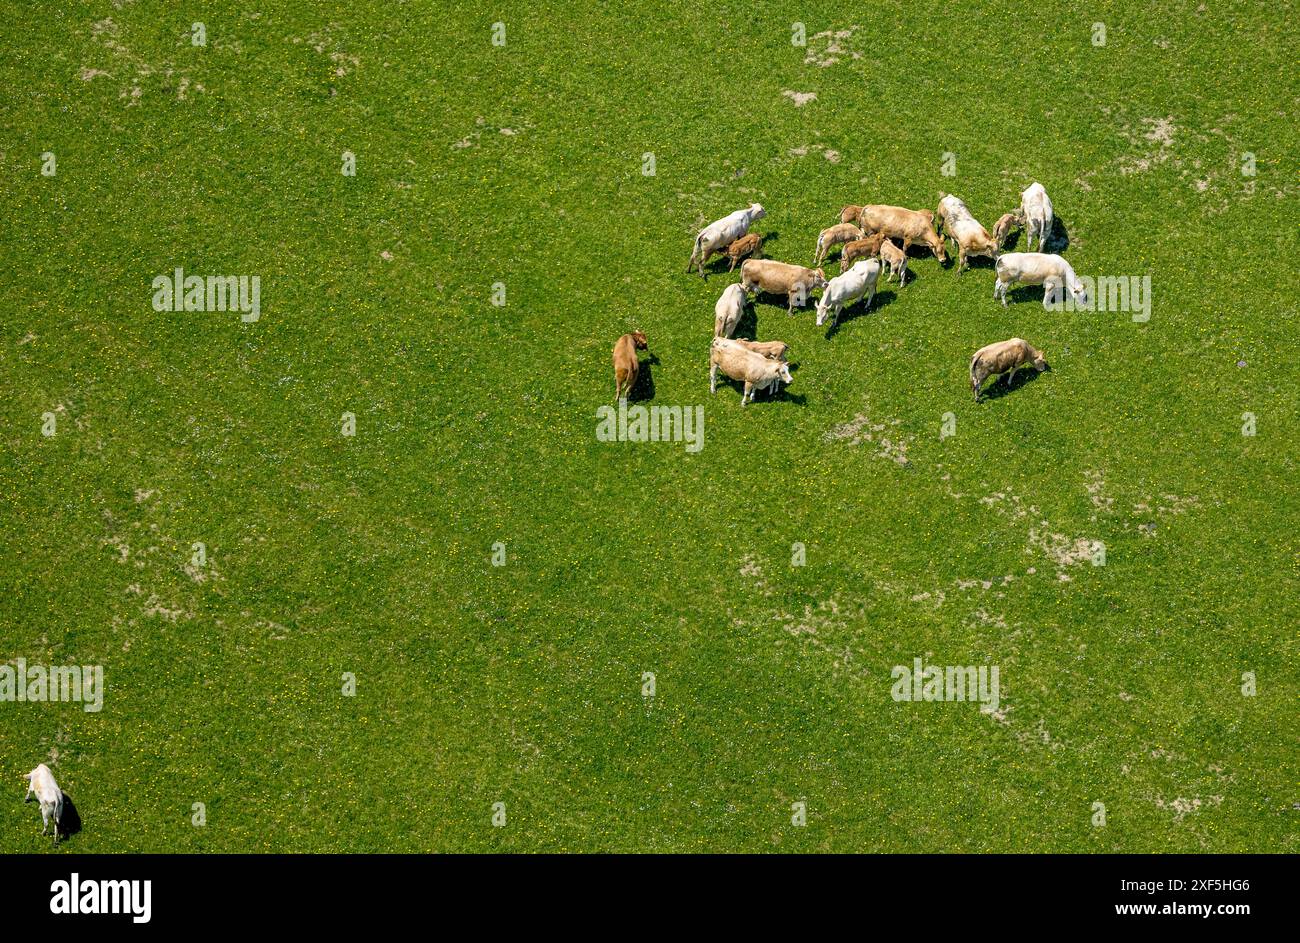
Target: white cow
(1036,210)
(722,233)
(40,782)
(729,310)
(1038,268)
(844,290)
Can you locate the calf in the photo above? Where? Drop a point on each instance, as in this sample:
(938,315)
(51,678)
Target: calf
(1004,226)
(40,782)
(864,248)
(626,364)
(964,229)
(722,233)
(845,290)
(896,259)
(780,278)
(748,366)
(1004,357)
(772,350)
(1038,268)
(1036,211)
(911,226)
(837,235)
(745,245)
(728,311)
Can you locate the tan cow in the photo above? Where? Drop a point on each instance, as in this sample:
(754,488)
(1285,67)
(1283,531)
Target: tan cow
(1004,357)
(896,259)
(961,226)
(836,235)
(1005,225)
(753,369)
(897,222)
(780,278)
(626,364)
(865,248)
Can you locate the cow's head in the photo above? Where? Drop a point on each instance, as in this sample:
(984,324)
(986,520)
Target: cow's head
(638,339)
(937,244)
(1040,361)
(850,214)
(783,371)
(819,279)
(756,211)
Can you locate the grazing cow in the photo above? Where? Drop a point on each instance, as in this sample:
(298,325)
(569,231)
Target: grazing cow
(1004,226)
(837,235)
(752,368)
(747,245)
(911,226)
(1038,268)
(845,290)
(626,364)
(728,311)
(896,259)
(780,278)
(865,248)
(40,782)
(956,219)
(1004,357)
(722,233)
(850,213)
(1036,211)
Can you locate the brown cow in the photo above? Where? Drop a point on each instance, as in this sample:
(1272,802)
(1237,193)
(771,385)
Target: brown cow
(745,245)
(861,249)
(626,364)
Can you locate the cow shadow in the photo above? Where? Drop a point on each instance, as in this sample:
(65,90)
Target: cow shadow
(644,388)
(748,326)
(1022,293)
(70,821)
(1000,388)
(883,299)
(1058,240)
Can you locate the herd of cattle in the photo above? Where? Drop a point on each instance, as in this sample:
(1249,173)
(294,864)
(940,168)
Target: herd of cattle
(867,237)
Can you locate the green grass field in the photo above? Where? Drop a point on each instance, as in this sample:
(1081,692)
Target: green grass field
(521,164)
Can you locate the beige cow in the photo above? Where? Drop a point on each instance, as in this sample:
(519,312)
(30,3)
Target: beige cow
(1004,357)
(897,222)
(780,278)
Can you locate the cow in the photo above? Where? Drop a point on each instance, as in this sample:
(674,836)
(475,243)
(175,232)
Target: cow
(750,367)
(897,222)
(747,245)
(728,311)
(626,364)
(1038,268)
(844,290)
(895,258)
(960,225)
(722,233)
(40,783)
(1004,226)
(865,248)
(1036,211)
(1004,357)
(772,350)
(827,239)
(780,278)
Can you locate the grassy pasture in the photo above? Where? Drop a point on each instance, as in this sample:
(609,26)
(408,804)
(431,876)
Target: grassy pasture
(521,164)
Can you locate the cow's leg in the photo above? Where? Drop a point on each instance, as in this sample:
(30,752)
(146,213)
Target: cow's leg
(748,392)
(713,378)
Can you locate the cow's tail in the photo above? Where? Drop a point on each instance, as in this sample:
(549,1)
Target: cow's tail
(818,254)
